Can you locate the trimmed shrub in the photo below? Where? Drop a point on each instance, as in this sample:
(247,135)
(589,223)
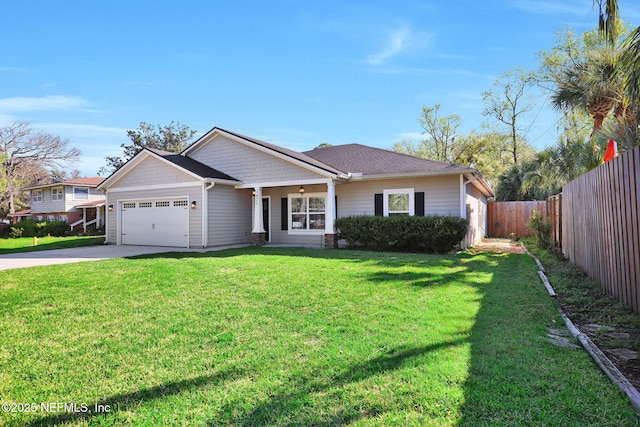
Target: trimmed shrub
(35,228)
(542,228)
(431,234)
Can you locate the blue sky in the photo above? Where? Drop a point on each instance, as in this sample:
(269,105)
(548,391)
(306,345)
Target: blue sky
(293,73)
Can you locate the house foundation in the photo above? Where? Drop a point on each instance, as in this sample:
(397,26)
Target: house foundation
(258,239)
(330,241)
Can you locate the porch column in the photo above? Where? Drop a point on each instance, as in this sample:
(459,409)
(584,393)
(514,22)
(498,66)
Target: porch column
(258,232)
(98,217)
(330,216)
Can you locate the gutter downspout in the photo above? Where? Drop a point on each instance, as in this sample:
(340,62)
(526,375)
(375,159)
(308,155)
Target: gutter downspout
(205,210)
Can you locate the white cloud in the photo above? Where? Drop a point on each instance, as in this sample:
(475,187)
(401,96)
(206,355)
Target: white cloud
(82,131)
(396,42)
(44,103)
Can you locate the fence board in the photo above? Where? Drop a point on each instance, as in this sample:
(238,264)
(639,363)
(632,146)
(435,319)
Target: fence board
(600,226)
(507,219)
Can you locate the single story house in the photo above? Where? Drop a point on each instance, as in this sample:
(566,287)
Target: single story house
(76,201)
(228,188)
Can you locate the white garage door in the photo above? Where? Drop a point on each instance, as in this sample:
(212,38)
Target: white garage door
(155,222)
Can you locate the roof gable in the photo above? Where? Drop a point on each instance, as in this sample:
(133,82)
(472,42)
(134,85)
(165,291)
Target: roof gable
(294,157)
(192,165)
(189,167)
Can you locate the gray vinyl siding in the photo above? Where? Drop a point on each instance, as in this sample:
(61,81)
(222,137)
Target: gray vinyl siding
(230,220)
(279,236)
(476,214)
(248,164)
(192,192)
(442,197)
(153,171)
(441,194)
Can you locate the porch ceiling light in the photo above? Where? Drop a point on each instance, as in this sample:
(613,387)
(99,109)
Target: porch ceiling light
(301,190)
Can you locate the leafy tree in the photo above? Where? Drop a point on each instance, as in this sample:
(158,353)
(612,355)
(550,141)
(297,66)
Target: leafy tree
(557,165)
(27,157)
(173,137)
(441,144)
(509,186)
(507,102)
(323,145)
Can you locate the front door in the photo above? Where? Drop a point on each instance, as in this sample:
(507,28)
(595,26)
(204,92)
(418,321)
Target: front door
(265,217)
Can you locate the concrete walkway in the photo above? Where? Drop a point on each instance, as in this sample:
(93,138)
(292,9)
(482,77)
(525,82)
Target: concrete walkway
(85,253)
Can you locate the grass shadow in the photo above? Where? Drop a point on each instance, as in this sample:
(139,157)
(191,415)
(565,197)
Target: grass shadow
(126,401)
(290,407)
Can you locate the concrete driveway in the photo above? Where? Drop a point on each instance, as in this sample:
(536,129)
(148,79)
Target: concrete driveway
(86,253)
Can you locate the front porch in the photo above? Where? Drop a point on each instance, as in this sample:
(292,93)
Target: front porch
(302,214)
(92,213)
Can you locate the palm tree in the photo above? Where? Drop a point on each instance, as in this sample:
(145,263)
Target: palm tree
(590,84)
(628,69)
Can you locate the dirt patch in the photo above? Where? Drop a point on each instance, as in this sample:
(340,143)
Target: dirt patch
(499,245)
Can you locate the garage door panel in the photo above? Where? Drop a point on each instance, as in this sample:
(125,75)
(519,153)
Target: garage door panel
(155,223)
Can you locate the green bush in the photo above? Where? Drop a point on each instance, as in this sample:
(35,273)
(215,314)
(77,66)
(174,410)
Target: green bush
(431,234)
(542,228)
(35,228)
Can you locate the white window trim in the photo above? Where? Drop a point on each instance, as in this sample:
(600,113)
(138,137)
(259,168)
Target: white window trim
(37,196)
(289,213)
(59,194)
(409,191)
(74,193)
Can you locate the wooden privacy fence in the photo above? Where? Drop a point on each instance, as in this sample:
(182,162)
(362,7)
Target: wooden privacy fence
(554,213)
(510,219)
(601,226)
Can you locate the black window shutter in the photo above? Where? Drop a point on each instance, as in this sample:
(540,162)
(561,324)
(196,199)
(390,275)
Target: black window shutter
(419,203)
(335,213)
(284,213)
(379,201)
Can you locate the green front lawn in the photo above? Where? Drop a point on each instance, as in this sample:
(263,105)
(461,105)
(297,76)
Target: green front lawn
(25,244)
(265,336)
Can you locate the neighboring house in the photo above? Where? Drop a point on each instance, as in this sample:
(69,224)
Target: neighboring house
(229,189)
(76,201)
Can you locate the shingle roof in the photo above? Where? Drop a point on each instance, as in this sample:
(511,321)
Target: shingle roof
(85,182)
(357,158)
(192,165)
(92,204)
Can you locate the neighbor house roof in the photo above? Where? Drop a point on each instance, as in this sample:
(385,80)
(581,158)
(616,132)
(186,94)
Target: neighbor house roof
(368,161)
(92,204)
(79,182)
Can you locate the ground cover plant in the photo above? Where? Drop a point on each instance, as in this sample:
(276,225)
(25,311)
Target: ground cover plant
(25,244)
(607,322)
(268,336)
